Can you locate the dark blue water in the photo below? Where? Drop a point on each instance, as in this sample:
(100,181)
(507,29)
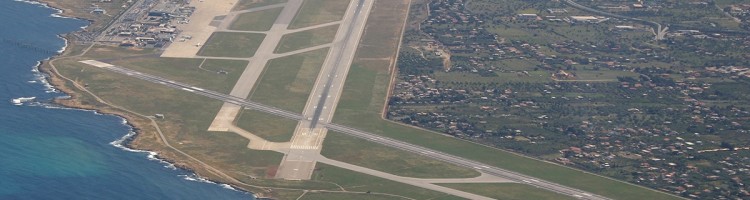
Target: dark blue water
(48,153)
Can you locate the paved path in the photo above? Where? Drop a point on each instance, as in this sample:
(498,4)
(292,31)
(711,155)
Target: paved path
(658,31)
(229,18)
(411,181)
(255,67)
(303,50)
(227,22)
(258,143)
(313,27)
(275,55)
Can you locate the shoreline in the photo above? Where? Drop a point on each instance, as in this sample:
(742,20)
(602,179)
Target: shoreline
(131,141)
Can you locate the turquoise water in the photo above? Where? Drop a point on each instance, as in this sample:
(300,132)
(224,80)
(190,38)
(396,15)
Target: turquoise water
(56,153)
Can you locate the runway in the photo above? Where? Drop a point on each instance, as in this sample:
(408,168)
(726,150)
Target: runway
(484,168)
(308,137)
(196,90)
(303,151)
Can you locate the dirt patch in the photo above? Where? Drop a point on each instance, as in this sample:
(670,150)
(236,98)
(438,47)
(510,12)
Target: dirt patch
(271,171)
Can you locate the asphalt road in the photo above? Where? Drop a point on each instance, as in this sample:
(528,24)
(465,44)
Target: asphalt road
(339,61)
(510,175)
(203,92)
(309,134)
(659,32)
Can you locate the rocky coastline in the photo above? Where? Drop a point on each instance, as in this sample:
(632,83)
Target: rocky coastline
(144,138)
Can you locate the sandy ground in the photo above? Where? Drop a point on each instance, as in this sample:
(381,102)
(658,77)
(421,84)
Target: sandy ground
(199,27)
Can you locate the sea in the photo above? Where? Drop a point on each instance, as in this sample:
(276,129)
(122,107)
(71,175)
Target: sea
(50,152)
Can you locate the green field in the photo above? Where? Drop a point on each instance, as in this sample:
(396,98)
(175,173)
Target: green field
(112,52)
(286,82)
(256,21)
(308,38)
(364,153)
(345,196)
(360,106)
(507,191)
(314,12)
(270,127)
(226,44)
(198,72)
(82,10)
(247,4)
(504,77)
(187,117)
(358,196)
(602,75)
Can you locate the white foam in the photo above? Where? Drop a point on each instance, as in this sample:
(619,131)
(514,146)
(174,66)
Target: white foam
(151,155)
(154,156)
(196,178)
(56,15)
(229,187)
(42,78)
(119,143)
(32,2)
(65,46)
(55,106)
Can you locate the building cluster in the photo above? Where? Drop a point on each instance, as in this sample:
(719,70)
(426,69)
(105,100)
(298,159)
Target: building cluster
(655,153)
(452,12)
(740,11)
(471,48)
(660,124)
(151,25)
(734,72)
(666,158)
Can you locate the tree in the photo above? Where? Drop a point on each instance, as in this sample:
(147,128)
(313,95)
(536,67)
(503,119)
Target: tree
(727,145)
